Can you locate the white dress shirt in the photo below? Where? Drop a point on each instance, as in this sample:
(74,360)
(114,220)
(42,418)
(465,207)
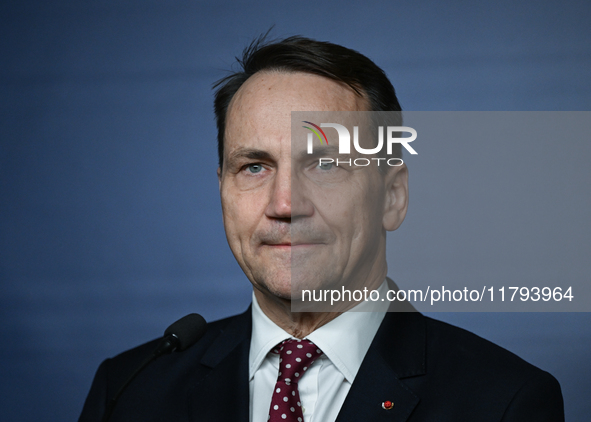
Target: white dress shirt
(324,386)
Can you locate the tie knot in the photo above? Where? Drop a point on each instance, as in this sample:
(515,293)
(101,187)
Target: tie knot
(295,357)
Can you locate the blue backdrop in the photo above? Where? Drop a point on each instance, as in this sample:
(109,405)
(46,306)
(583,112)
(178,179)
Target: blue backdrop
(110,223)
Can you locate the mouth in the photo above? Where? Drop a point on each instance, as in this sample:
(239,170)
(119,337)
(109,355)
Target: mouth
(291,244)
(278,245)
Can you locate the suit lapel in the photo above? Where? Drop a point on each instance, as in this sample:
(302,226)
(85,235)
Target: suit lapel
(374,385)
(221,393)
(397,352)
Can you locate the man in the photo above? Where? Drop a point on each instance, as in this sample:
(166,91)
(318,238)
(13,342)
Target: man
(293,223)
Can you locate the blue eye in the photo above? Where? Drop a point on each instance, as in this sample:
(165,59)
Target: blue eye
(325,166)
(255,168)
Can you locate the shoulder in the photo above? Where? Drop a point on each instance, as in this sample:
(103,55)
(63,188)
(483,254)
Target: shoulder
(496,379)
(456,348)
(167,379)
(214,329)
(457,375)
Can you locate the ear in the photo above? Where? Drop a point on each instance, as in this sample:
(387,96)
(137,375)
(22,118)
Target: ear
(396,201)
(220,178)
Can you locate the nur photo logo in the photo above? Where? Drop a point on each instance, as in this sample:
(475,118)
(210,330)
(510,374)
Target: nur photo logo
(390,133)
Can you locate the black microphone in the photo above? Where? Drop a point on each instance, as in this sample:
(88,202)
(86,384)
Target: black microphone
(178,337)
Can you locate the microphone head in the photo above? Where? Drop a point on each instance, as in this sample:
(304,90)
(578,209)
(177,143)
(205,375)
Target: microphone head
(188,330)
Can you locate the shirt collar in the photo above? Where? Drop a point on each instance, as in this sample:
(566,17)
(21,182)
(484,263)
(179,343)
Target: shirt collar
(265,335)
(344,340)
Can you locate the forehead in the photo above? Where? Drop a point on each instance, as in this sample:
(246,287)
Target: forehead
(262,106)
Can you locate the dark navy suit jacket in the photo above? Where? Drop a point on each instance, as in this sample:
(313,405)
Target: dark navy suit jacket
(430,370)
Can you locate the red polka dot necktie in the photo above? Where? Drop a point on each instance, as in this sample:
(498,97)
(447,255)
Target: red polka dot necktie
(295,357)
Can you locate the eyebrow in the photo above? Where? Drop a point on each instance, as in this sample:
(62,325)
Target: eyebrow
(258,154)
(320,151)
(250,153)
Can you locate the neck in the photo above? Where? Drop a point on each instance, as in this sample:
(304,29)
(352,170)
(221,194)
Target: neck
(296,324)
(301,324)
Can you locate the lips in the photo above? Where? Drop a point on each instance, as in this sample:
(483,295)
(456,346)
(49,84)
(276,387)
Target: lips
(299,243)
(306,243)
(295,235)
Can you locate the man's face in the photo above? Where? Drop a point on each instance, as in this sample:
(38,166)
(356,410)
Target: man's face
(288,220)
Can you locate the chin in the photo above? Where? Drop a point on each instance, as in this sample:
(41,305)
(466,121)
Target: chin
(289,286)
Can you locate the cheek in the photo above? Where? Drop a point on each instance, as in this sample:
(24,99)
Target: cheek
(355,204)
(241,214)
(230,214)
(361,215)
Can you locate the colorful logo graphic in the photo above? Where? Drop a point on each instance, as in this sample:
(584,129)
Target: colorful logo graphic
(316,132)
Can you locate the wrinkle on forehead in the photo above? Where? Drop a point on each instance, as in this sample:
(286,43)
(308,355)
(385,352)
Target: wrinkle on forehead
(284,92)
(260,112)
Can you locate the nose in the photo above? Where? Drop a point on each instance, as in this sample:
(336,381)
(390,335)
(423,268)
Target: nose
(288,199)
